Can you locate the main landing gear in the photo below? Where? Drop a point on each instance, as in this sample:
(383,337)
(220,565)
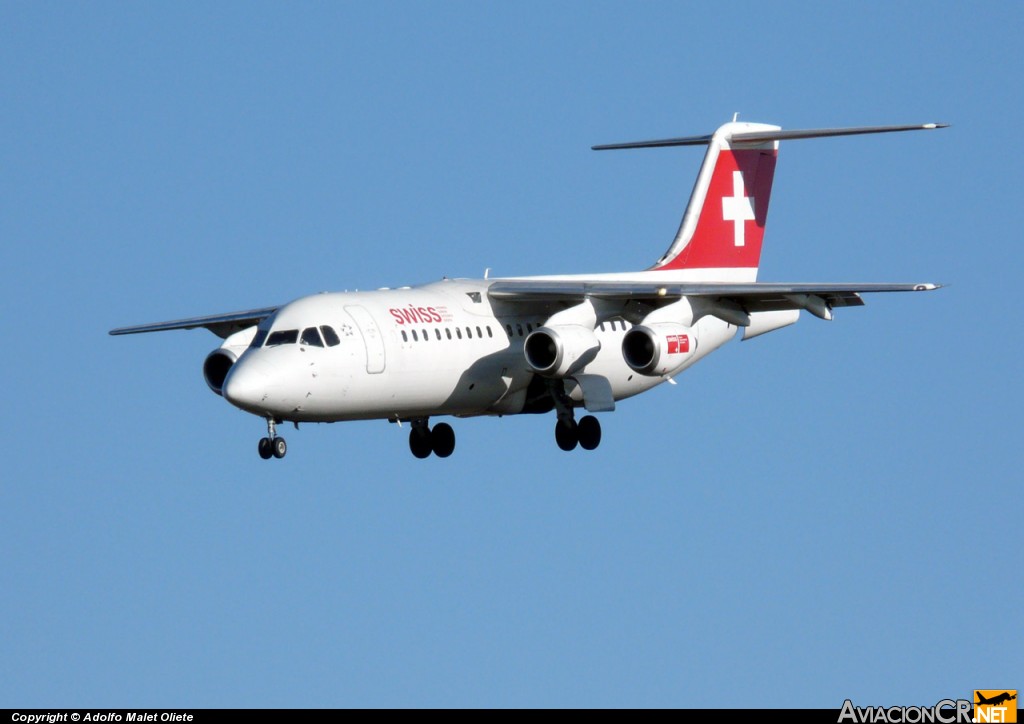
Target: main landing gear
(586,433)
(272,445)
(423,440)
(568,433)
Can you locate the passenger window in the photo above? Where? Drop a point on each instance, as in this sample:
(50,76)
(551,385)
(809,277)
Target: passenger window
(489,332)
(405,337)
(529,327)
(448,332)
(311,337)
(458,333)
(259,339)
(414,337)
(519,329)
(437,332)
(479,334)
(330,336)
(508,328)
(425,335)
(285,336)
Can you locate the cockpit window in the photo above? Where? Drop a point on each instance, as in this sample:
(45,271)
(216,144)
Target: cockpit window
(259,339)
(330,336)
(284,336)
(311,337)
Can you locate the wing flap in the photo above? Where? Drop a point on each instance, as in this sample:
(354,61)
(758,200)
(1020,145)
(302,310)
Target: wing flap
(222,325)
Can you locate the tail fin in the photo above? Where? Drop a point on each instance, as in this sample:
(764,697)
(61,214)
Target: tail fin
(723,226)
(720,236)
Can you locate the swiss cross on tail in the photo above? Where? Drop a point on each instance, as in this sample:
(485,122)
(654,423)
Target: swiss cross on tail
(730,226)
(738,209)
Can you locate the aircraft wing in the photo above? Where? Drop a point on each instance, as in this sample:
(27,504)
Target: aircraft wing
(222,325)
(748,297)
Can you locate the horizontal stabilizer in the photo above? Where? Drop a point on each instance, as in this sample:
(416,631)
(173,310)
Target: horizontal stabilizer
(765,136)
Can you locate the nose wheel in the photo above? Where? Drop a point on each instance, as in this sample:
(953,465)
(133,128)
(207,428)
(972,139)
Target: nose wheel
(423,440)
(272,446)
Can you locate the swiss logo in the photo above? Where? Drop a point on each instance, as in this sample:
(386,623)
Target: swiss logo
(678,343)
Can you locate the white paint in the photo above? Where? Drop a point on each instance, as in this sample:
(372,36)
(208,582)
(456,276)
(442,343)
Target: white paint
(738,208)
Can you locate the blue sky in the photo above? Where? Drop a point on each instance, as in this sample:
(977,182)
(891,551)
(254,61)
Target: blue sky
(820,514)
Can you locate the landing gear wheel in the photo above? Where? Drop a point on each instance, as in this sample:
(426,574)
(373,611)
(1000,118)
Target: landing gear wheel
(589,430)
(264,448)
(567,435)
(442,439)
(279,447)
(419,442)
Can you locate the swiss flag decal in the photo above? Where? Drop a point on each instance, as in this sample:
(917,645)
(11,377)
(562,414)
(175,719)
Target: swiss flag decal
(678,343)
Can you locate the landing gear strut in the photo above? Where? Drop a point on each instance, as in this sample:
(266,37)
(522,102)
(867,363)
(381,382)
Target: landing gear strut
(423,440)
(272,445)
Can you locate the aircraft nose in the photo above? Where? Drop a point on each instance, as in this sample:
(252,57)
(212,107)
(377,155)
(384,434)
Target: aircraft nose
(248,384)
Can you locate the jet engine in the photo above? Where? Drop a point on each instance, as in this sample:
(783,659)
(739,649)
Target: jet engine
(658,349)
(220,361)
(559,351)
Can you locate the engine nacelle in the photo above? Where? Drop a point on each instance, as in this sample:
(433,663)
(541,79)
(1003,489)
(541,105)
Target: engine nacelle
(658,349)
(220,361)
(560,350)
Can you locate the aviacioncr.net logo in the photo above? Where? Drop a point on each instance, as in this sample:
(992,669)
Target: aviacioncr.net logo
(947,711)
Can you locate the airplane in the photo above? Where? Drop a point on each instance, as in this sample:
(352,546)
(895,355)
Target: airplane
(995,700)
(535,344)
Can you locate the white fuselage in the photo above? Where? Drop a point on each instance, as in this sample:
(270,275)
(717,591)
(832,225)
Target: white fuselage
(443,348)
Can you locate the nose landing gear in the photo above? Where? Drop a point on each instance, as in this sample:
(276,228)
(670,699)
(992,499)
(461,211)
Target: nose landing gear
(272,445)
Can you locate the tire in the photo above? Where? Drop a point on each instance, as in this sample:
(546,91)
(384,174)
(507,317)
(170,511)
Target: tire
(279,447)
(264,448)
(419,442)
(566,435)
(442,439)
(589,430)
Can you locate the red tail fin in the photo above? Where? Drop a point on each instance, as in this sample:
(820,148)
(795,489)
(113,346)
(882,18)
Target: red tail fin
(723,226)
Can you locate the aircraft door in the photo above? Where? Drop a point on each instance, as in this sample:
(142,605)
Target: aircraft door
(371,338)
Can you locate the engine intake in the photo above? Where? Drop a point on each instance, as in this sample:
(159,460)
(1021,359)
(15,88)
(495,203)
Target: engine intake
(220,361)
(559,351)
(216,367)
(658,349)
